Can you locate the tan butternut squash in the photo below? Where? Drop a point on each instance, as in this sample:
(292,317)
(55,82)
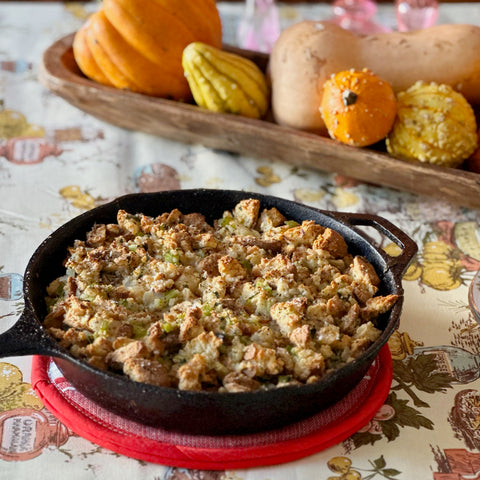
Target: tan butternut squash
(309,52)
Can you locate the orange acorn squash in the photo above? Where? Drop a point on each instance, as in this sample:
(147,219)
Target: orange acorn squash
(84,58)
(138,44)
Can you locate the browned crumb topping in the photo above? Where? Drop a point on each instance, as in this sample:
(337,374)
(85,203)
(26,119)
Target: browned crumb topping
(254,301)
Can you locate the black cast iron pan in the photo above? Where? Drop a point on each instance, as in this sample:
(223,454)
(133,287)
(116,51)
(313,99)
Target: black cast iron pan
(203,412)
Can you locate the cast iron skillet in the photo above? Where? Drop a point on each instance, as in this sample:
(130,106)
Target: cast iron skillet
(202,412)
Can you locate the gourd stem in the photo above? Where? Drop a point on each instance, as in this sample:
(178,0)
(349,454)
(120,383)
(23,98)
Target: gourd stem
(349,97)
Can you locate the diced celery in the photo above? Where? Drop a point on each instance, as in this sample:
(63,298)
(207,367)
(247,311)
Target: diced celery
(227,220)
(139,331)
(104,327)
(207,309)
(168,327)
(171,257)
(291,223)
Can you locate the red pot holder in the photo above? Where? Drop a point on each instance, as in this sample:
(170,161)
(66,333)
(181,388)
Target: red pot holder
(151,444)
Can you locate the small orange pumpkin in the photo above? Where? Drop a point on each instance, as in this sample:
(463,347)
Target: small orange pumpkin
(358,107)
(138,44)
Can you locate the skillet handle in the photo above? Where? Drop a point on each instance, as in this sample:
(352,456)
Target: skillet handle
(409,248)
(27,337)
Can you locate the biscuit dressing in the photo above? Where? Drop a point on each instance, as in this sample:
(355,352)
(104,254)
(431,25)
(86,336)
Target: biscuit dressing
(254,301)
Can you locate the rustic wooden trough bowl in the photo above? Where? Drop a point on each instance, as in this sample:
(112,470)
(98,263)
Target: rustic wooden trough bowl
(258,138)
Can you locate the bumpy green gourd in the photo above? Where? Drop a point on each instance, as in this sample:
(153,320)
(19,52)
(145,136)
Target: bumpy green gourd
(225,82)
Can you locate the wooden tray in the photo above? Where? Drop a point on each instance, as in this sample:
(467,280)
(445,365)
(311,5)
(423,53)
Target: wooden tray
(258,138)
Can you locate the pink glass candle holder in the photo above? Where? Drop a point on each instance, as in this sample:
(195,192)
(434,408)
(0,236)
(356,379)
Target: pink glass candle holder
(357,16)
(259,27)
(415,14)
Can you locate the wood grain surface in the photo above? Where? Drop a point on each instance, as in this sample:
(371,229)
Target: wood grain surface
(258,138)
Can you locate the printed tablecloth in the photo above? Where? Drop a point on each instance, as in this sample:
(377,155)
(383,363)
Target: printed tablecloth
(56,162)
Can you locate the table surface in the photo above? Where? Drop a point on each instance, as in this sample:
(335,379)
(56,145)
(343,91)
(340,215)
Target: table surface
(78,162)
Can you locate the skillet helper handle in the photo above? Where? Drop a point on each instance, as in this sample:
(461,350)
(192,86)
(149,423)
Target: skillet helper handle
(409,248)
(26,337)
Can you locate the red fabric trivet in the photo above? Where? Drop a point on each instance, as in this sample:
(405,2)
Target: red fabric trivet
(327,428)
